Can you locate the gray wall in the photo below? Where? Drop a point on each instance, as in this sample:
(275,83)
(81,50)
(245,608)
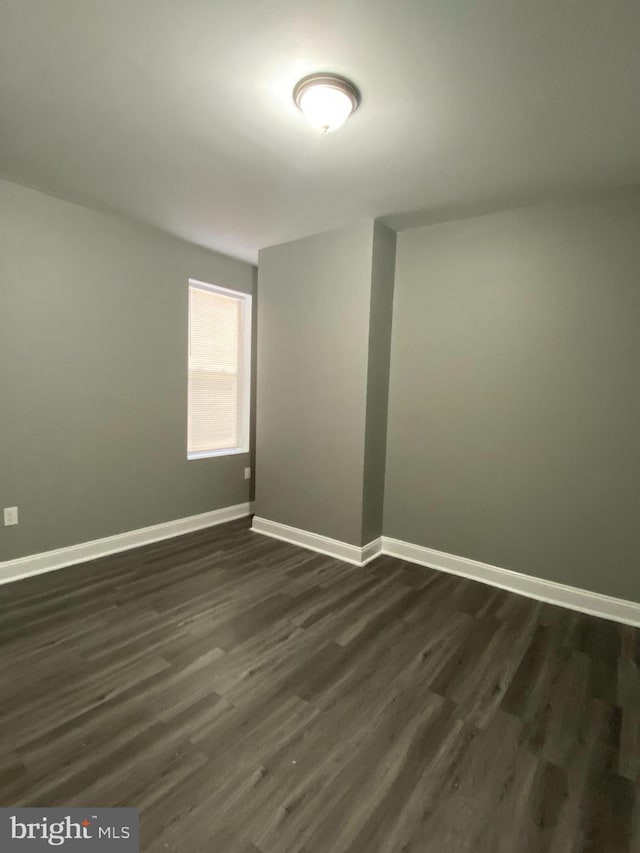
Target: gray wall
(380,317)
(93,343)
(313,344)
(514,412)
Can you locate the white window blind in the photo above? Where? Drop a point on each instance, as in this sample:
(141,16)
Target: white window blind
(219,370)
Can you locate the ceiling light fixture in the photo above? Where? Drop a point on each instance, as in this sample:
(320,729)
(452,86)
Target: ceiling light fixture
(326,100)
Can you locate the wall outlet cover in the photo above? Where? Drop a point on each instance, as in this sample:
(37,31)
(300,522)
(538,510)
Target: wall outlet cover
(10,516)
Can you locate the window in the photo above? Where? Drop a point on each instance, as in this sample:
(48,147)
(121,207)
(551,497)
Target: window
(219,371)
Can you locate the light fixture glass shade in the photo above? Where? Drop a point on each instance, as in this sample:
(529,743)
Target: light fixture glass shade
(326,100)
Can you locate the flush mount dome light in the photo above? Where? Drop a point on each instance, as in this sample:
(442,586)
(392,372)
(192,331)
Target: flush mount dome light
(326,100)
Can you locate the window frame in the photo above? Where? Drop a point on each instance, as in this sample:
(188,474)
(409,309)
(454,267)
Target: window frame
(244,370)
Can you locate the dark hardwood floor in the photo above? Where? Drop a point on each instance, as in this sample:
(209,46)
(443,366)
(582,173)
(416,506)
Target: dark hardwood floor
(252,697)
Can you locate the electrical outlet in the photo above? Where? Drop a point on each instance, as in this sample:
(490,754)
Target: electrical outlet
(10,515)
(247,473)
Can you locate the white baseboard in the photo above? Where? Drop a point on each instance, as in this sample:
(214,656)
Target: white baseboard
(574,598)
(314,542)
(371,550)
(49,561)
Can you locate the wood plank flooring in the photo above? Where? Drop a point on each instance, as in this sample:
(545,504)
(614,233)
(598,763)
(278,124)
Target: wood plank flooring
(252,697)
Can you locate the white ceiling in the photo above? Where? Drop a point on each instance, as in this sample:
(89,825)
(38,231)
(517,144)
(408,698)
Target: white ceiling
(179,112)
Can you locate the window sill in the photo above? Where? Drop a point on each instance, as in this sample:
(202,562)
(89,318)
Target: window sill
(206,454)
